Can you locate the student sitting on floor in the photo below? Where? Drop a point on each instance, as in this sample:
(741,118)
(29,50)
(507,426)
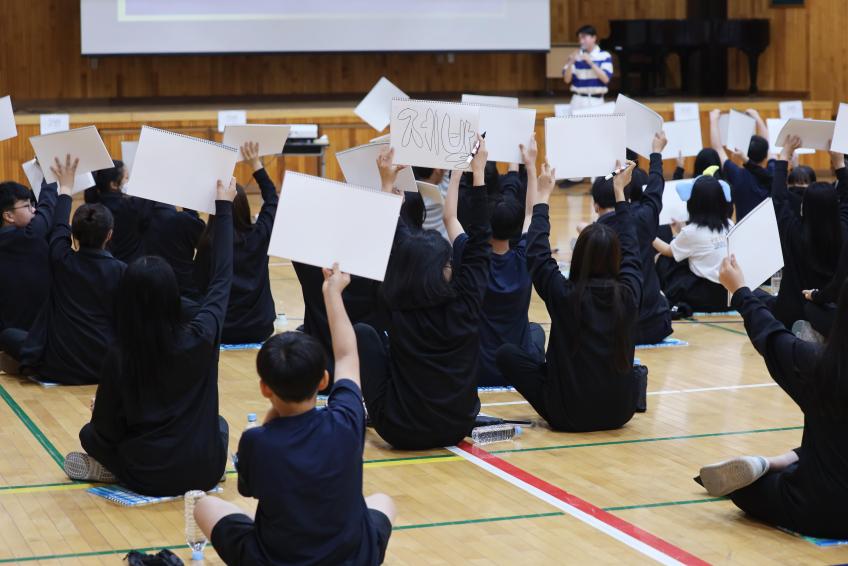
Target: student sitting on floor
(587,381)
(507,300)
(173,235)
(688,267)
(70,336)
(751,183)
(251,311)
(707,157)
(805,490)
(24,288)
(304,465)
(155,425)
(131,214)
(420,385)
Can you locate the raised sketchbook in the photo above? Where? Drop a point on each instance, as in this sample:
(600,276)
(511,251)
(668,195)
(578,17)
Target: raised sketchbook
(82,143)
(642,124)
(740,128)
(270,137)
(375,109)
(320,222)
(775,125)
(684,138)
(428,133)
(8,129)
(814,134)
(674,208)
(180,170)
(585,146)
(755,241)
(505,129)
(128,149)
(840,131)
(503,101)
(359,167)
(34,175)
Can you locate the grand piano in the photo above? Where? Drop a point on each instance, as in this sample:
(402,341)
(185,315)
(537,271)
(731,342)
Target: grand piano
(643,45)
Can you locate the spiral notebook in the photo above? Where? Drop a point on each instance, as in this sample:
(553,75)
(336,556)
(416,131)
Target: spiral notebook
(684,138)
(775,125)
(428,133)
(502,101)
(755,241)
(585,146)
(740,128)
(33,173)
(359,167)
(505,129)
(642,124)
(320,222)
(814,134)
(180,170)
(127,498)
(8,129)
(84,144)
(128,149)
(270,137)
(375,109)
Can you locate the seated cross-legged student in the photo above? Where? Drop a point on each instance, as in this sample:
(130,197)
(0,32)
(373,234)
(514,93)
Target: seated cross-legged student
(688,266)
(24,260)
(251,311)
(304,464)
(420,385)
(155,425)
(173,235)
(507,299)
(587,381)
(70,337)
(804,490)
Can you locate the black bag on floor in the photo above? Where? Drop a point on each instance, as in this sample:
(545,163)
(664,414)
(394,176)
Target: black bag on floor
(163,558)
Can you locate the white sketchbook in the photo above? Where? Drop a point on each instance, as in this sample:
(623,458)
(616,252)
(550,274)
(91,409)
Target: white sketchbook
(51,123)
(506,128)
(430,193)
(585,146)
(180,170)
(231,118)
(674,207)
(642,124)
(684,111)
(35,176)
(814,134)
(359,167)
(723,120)
(8,129)
(605,108)
(683,137)
(562,110)
(840,132)
(791,109)
(740,128)
(376,108)
(320,222)
(128,149)
(270,137)
(441,135)
(774,126)
(83,143)
(755,241)
(380,139)
(503,101)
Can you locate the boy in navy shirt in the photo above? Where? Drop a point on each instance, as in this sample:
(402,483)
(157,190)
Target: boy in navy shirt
(304,465)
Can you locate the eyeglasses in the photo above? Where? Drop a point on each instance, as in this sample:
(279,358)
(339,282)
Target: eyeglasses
(28,205)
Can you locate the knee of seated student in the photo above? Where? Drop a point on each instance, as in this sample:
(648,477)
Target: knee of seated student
(384,504)
(209,510)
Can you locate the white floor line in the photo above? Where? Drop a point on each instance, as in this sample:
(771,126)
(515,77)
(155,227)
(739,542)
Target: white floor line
(664,392)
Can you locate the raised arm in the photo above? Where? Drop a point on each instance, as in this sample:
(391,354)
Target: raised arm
(630,274)
(653,194)
(529,154)
(265,221)
(449,212)
(388,178)
(60,236)
(341,330)
(786,217)
(544,269)
(762,128)
(42,222)
(715,136)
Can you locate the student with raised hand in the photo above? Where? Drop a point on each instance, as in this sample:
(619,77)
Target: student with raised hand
(688,266)
(304,465)
(131,214)
(751,183)
(419,385)
(251,311)
(587,381)
(69,338)
(155,425)
(811,242)
(805,490)
(174,235)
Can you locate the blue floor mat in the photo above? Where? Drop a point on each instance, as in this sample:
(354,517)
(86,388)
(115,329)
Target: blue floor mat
(667,343)
(127,498)
(225,347)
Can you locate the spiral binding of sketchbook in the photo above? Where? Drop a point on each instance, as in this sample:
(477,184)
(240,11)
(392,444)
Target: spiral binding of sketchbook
(192,138)
(340,183)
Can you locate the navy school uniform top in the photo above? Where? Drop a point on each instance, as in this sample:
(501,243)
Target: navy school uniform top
(750,185)
(251,311)
(24,262)
(584,390)
(166,429)
(306,472)
(173,236)
(131,216)
(654,312)
(72,333)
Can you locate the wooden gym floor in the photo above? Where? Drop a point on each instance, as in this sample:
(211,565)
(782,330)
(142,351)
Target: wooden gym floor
(624,496)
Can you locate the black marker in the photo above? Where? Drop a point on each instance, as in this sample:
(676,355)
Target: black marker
(475,150)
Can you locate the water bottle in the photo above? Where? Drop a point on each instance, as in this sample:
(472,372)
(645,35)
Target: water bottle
(495,433)
(775,282)
(251,421)
(195,538)
(280,323)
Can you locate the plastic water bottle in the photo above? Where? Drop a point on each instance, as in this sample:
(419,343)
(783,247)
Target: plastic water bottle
(495,433)
(775,282)
(280,323)
(251,421)
(195,538)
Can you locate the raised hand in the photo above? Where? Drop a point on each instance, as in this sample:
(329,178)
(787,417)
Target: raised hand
(388,171)
(530,153)
(227,193)
(547,182)
(659,142)
(65,173)
(250,153)
(622,179)
(731,275)
(790,145)
(335,280)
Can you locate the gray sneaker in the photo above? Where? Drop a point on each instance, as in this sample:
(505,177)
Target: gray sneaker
(728,476)
(81,466)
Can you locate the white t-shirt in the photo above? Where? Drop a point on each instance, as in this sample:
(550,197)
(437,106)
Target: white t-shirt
(704,249)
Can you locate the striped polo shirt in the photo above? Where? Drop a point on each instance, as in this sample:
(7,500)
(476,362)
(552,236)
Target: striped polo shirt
(584,80)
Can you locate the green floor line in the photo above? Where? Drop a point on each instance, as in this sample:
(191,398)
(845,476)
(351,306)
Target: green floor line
(477,521)
(717,325)
(665,504)
(32,427)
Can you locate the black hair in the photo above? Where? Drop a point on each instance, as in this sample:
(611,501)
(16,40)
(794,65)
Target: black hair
(11,193)
(597,255)
(758,149)
(91,225)
(506,217)
(801,176)
(104,178)
(822,229)
(633,191)
(422,173)
(242,221)
(415,275)
(588,30)
(292,365)
(413,210)
(707,206)
(830,382)
(707,157)
(148,317)
(603,192)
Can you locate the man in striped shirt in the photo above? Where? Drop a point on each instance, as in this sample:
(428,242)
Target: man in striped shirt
(589,70)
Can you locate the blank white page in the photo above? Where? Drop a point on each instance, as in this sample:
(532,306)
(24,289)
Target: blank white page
(503,101)
(83,143)
(376,108)
(814,134)
(686,111)
(359,167)
(755,241)
(683,137)
(270,137)
(840,132)
(740,128)
(435,134)
(774,126)
(180,170)
(585,146)
(320,222)
(128,149)
(791,109)
(506,128)
(8,129)
(674,207)
(642,124)
(34,175)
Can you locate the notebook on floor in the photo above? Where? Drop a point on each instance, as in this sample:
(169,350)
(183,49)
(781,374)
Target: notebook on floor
(128,498)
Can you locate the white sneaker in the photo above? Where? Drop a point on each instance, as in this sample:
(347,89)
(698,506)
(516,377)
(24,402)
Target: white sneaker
(728,476)
(81,466)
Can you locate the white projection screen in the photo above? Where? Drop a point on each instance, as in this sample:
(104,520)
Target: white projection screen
(123,27)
